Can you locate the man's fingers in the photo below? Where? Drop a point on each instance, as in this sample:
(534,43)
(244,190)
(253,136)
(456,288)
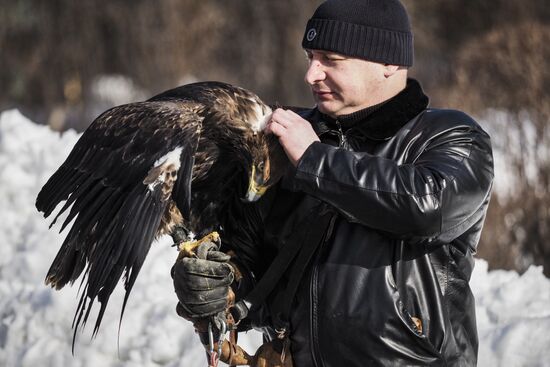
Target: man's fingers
(204,248)
(275,128)
(194,311)
(201,267)
(199,283)
(294,132)
(218,256)
(203,297)
(285,118)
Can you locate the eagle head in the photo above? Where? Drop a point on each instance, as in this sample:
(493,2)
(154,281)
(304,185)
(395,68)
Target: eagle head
(268,160)
(269,163)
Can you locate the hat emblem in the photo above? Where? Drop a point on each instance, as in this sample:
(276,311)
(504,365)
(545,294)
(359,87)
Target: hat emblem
(311,34)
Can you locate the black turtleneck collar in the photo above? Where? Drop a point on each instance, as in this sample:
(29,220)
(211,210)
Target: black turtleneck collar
(381,121)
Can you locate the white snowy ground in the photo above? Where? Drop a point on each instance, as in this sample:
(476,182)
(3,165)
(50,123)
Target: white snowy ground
(513,311)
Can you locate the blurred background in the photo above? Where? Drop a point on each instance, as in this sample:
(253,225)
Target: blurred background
(63,62)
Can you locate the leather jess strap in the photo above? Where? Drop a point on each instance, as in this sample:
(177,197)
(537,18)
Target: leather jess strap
(301,251)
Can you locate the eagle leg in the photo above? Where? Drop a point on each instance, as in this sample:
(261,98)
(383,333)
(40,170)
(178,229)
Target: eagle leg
(187,248)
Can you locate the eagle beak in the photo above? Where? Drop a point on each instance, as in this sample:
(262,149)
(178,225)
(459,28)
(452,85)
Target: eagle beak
(256,186)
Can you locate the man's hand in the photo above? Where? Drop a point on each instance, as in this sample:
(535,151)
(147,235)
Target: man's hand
(202,284)
(295,134)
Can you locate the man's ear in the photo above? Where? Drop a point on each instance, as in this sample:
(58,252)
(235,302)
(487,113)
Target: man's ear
(389,70)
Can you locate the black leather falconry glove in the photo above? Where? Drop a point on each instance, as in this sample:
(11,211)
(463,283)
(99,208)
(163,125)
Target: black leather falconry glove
(202,284)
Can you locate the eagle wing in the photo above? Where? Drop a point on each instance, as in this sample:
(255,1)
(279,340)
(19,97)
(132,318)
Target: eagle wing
(117,183)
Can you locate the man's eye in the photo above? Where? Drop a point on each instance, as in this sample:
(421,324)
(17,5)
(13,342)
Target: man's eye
(332,58)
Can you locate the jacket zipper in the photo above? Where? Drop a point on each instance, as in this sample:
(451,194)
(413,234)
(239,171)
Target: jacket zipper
(314,332)
(342,140)
(313,313)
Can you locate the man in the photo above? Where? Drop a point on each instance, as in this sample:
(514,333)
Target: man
(384,208)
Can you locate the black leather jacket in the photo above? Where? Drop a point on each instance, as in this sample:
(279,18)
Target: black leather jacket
(407,189)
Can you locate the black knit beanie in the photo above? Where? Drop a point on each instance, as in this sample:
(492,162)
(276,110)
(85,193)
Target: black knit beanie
(374,30)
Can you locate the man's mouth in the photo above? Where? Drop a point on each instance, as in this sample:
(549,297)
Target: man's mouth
(323,94)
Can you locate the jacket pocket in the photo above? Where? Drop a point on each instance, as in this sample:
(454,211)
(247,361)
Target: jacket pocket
(415,328)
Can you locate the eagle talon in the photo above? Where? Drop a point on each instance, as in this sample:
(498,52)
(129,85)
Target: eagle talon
(187,248)
(179,234)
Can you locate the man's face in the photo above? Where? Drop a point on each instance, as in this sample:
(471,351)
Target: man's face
(342,84)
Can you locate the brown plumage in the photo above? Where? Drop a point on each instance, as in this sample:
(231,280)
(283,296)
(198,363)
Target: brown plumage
(144,168)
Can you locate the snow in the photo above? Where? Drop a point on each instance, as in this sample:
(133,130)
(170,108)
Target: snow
(513,316)
(513,310)
(116,89)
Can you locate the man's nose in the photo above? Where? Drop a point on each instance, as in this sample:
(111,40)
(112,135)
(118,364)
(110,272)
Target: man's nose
(314,73)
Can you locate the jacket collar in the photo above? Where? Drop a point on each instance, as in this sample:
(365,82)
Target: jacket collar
(379,122)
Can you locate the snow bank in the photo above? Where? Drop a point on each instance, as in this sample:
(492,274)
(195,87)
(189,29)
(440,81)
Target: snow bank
(513,316)
(35,321)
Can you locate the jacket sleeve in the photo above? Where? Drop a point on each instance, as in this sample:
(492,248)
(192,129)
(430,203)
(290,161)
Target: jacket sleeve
(438,194)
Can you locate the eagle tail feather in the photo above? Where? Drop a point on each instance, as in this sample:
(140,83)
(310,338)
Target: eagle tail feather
(131,274)
(96,206)
(65,267)
(71,257)
(81,197)
(132,230)
(57,189)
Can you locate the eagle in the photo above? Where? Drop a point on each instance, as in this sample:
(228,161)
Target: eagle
(173,163)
